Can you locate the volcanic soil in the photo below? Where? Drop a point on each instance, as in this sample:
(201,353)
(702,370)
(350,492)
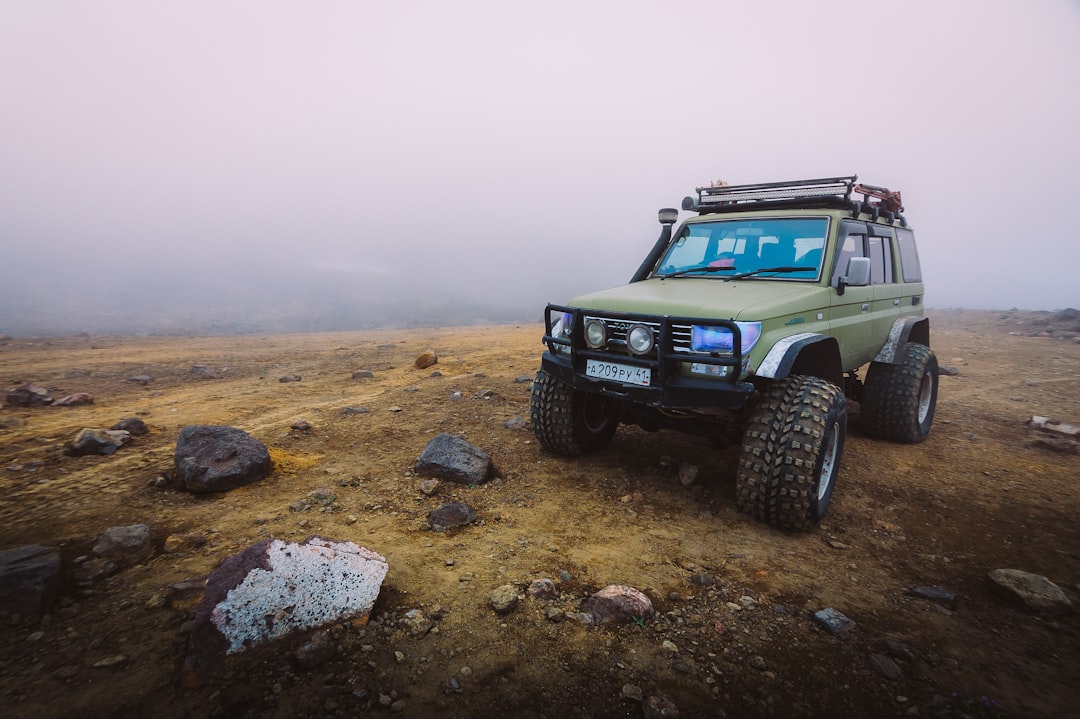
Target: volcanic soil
(733,633)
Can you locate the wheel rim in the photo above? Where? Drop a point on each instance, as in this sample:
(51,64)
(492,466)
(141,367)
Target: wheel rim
(828,462)
(926,392)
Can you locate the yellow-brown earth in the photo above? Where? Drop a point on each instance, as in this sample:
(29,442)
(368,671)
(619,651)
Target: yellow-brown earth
(973,497)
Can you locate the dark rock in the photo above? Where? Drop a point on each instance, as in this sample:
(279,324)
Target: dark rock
(74,400)
(29,577)
(884,666)
(363,374)
(98,441)
(834,622)
(1033,591)
(275,588)
(426,359)
(948,370)
(215,459)
(143,379)
(618,603)
(448,516)
(289,378)
(28,395)
(301,425)
(452,458)
(516,423)
(355,410)
(703,579)
(132,425)
(125,545)
(522,379)
(935,594)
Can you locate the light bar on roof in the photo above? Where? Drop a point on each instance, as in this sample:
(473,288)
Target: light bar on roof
(840,188)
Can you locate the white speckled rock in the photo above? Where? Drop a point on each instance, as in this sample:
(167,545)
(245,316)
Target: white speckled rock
(275,588)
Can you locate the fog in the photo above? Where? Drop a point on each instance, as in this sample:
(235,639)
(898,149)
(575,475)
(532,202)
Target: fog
(246,166)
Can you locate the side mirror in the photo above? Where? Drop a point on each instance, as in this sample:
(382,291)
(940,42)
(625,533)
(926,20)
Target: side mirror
(858,274)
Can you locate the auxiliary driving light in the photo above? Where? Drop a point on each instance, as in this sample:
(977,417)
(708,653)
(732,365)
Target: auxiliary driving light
(639,338)
(595,334)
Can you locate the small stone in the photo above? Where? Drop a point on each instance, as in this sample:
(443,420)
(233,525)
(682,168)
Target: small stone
(669,648)
(355,410)
(416,622)
(143,379)
(758,662)
(449,516)
(688,473)
(363,374)
(430,487)
(393,409)
(73,400)
(885,667)
(111,661)
(503,599)
(522,379)
(935,594)
(631,692)
(301,425)
(834,622)
(554,614)
(132,425)
(656,707)
(543,589)
(289,378)
(1033,591)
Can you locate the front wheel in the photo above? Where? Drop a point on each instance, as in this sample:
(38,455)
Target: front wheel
(899,399)
(567,421)
(791,452)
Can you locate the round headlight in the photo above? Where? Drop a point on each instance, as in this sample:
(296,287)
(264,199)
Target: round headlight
(640,339)
(595,334)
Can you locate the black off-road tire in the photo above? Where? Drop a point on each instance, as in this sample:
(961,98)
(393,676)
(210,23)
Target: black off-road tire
(791,452)
(899,399)
(567,421)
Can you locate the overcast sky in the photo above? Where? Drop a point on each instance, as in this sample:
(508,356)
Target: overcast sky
(505,154)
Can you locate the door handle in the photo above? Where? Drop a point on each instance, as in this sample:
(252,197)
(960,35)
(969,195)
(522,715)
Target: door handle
(865,307)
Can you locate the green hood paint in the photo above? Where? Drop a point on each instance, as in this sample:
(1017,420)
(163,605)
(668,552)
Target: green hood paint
(709,298)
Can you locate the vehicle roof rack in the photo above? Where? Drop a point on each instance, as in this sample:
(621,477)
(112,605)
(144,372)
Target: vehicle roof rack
(832,192)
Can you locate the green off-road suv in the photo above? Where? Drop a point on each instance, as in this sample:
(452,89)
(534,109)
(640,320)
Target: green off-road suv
(749,322)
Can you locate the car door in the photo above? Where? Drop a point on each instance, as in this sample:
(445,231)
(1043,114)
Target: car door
(886,290)
(851,312)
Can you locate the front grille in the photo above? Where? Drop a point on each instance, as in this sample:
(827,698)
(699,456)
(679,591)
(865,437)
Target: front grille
(617,329)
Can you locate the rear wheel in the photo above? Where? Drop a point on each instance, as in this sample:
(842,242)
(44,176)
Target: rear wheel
(791,452)
(899,399)
(567,421)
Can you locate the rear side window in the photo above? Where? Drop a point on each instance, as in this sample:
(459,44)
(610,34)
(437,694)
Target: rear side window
(909,256)
(881,260)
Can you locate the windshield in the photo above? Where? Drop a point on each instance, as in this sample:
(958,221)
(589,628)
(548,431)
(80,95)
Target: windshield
(729,247)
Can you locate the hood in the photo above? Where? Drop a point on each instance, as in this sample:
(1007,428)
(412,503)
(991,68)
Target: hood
(712,298)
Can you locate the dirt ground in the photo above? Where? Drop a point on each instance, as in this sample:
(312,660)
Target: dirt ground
(972,498)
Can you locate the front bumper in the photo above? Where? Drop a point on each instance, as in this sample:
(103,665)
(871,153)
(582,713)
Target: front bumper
(671,388)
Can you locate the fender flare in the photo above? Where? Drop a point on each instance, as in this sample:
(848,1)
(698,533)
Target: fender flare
(821,355)
(904,330)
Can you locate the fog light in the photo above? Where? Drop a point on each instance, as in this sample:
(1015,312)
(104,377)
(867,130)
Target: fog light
(640,339)
(595,334)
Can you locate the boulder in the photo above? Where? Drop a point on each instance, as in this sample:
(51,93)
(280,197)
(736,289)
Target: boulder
(448,516)
(618,603)
(126,546)
(426,359)
(275,589)
(29,577)
(1032,591)
(98,441)
(213,458)
(132,425)
(28,395)
(452,458)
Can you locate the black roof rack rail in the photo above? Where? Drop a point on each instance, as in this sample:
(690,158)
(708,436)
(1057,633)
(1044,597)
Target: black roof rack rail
(822,192)
(834,192)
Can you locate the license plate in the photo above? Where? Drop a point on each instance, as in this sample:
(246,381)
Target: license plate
(627,374)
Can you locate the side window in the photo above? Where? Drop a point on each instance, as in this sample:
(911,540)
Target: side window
(881,271)
(852,246)
(909,256)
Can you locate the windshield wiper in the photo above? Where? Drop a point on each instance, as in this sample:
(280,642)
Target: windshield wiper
(768,269)
(703,268)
